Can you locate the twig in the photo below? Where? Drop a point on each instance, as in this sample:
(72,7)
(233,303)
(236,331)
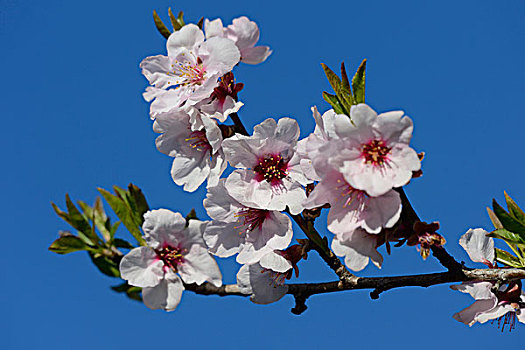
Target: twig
(239,126)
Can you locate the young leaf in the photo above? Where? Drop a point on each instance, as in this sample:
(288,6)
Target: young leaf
(99,222)
(68,244)
(200,22)
(124,213)
(181,19)
(507,236)
(131,291)
(345,84)
(160,25)
(105,265)
(334,102)
(174,22)
(495,221)
(192,215)
(507,220)
(79,221)
(508,259)
(358,83)
(345,98)
(120,243)
(139,201)
(514,210)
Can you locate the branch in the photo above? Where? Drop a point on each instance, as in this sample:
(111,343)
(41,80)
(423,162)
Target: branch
(239,126)
(302,291)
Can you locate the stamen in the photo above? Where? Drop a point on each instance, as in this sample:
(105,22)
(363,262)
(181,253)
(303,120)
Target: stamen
(272,168)
(171,256)
(375,152)
(251,219)
(198,140)
(191,73)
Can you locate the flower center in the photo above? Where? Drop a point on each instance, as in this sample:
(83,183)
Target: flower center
(251,218)
(375,152)
(272,168)
(190,73)
(171,256)
(277,279)
(197,139)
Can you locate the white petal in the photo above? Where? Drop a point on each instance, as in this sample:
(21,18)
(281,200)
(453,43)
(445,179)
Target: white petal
(141,267)
(213,28)
(187,37)
(275,262)
(199,266)
(468,315)
(255,55)
(478,290)
(222,238)
(478,246)
(164,296)
(162,226)
(219,55)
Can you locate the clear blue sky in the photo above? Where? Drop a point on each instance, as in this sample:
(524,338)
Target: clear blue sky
(74,119)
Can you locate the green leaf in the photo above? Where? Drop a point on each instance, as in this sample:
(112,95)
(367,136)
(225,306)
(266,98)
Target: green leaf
(181,19)
(345,84)
(139,201)
(79,221)
(508,259)
(358,83)
(495,221)
(508,236)
(199,23)
(120,243)
(131,291)
(68,244)
(514,210)
(99,222)
(345,98)
(160,25)
(105,265)
(507,220)
(334,102)
(174,22)
(125,214)
(192,215)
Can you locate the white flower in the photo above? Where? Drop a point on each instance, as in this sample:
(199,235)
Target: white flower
(268,175)
(351,208)
(358,248)
(191,69)
(373,151)
(194,140)
(506,304)
(171,248)
(266,284)
(239,229)
(244,33)
(308,149)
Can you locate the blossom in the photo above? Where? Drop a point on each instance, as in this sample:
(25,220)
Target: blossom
(506,303)
(194,140)
(223,100)
(373,151)
(308,149)
(268,175)
(235,228)
(265,280)
(192,68)
(244,33)
(358,248)
(175,253)
(351,208)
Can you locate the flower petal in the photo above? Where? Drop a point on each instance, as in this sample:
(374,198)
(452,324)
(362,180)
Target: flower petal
(166,295)
(141,267)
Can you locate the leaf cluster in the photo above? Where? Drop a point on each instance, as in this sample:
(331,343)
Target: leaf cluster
(510,227)
(176,22)
(346,93)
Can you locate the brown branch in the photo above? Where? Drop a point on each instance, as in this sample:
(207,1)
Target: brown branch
(320,245)
(302,291)
(239,126)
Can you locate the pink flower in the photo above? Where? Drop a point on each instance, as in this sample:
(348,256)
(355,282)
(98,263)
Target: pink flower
(174,253)
(194,140)
(351,208)
(506,304)
(373,151)
(244,33)
(191,70)
(235,228)
(268,176)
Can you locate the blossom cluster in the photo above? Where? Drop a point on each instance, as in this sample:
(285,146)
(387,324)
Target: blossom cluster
(353,163)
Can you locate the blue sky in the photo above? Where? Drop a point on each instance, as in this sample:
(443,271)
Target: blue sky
(74,120)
